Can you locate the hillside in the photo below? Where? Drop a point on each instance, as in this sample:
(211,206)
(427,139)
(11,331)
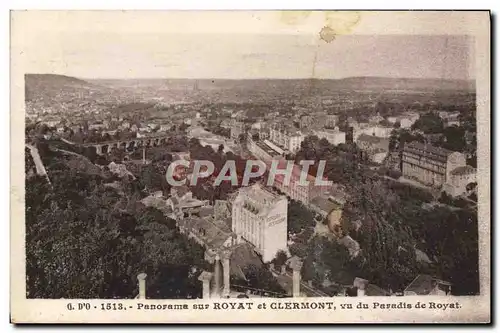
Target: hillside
(266,90)
(53,86)
(410,84)
(351,83)
(54,79)
(50,88)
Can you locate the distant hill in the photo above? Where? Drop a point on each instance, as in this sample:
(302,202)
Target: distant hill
(368,82)
(54,79)
(50,86)
(279,85)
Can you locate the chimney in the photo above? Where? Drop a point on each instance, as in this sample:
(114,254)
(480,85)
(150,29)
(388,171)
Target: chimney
(142,285)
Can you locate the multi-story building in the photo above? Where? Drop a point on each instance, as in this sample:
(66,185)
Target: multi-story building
(406,120)
(459,179)
(373,130)
(375,119)
(335,136)
(450,118)
(262,150)
(331,121)
(237,128)
(260,217)
(286,137)
(376,148)
(430,165)
(295,189)
(306,121)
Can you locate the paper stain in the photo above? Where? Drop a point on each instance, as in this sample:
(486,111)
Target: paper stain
(294,17)
(335,23)
(338,23)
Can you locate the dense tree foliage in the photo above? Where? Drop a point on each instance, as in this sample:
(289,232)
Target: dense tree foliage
(299,217)
(397,218)
(260,280)
(429,123)
(86,240)
(343,163)
(280,258)
(400,136)
(326,260)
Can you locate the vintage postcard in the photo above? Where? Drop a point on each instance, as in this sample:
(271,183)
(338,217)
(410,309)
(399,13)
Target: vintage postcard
(250,167)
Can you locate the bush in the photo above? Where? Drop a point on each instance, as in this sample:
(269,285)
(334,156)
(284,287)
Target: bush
(409,192)
(299,250)
(394,173)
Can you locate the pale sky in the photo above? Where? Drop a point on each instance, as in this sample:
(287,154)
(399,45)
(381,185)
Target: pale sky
(94,46)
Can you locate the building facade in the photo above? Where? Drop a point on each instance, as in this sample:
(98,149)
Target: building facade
(332,121)
(306,121)
(450,118)
(376,148)
(335,136)
(430,165)
(459,179)
(285,137)
(237,128)
(295,189)
(373,130)
(260,217)
(261,150)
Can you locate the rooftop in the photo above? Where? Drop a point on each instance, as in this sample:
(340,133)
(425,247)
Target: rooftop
(259,193)
(423,284)
(324,203)
(374,140)
(267,148)
(463,170)
(427,148)
(214,233)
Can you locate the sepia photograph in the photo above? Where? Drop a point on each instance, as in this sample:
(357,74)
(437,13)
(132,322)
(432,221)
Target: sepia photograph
(305,167)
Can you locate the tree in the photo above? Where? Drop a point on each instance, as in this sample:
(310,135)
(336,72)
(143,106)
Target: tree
(299,217)
(183,127)
(84,240)
(280,258)
(429,123)
(454,138)
(385,240)
(471,186)
(241,138)
(261,278)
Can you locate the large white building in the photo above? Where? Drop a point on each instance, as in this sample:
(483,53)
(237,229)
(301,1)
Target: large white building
(450,118)
(260,217)
(287,138)
(294,189)
(334,136)
(406,120)
(373,130)
(433,166)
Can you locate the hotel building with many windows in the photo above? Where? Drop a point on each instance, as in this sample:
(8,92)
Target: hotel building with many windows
(430,165)
(260,217)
